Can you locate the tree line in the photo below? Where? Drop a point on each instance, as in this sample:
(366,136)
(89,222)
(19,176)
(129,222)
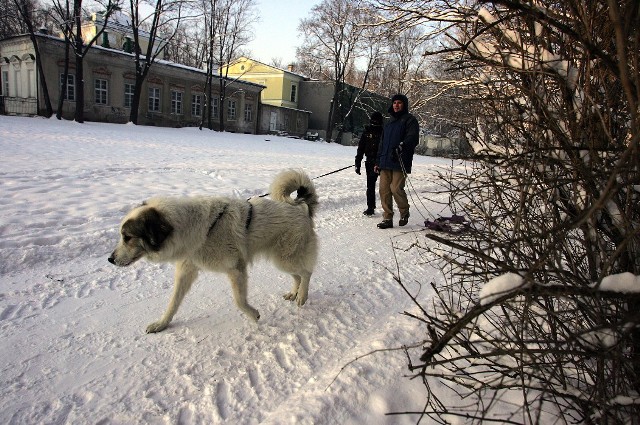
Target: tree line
(343,41)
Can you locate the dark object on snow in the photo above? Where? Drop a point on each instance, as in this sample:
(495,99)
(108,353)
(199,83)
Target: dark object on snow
(455,224)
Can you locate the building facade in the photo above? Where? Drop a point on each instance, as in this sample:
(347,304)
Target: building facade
(279,99)
(172,95)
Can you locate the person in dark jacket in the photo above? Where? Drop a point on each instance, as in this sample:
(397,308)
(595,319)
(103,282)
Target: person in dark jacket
(395,155)
(368,147)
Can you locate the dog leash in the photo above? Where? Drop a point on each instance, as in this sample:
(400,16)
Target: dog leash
(331,172)
(334,171)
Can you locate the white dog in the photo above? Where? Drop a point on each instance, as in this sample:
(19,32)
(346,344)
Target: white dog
(225,234)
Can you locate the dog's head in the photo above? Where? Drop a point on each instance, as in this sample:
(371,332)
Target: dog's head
(143,231)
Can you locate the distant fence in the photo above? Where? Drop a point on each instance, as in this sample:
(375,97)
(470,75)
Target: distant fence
(18,105)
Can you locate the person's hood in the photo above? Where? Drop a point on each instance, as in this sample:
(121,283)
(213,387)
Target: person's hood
(405,102)
(376,118)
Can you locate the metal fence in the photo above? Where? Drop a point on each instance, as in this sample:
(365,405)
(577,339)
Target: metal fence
(18,105)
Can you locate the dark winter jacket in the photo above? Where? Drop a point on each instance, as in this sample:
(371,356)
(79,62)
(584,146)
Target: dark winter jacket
(402,128)
(368,144)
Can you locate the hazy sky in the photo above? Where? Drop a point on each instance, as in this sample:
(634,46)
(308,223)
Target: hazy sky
(276,34)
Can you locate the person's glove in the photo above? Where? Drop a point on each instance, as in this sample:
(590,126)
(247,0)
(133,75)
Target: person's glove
(357,170)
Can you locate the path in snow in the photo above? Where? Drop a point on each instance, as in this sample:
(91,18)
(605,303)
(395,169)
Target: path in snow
(72,325)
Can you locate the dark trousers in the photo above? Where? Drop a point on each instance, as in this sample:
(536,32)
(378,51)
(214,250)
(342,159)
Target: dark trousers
(372,178)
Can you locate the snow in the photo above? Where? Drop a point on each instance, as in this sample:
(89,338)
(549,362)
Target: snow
(500,286)
(621,282)
(72,325)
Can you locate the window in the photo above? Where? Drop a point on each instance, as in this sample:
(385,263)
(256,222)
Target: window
(294,88)
(215,102)
(101,90)
(154,99)
(128,94)
(248,113)
(17,87)
(5,83)
(31,76)
(176,102)
(196,105)
(71,87)
(231,110)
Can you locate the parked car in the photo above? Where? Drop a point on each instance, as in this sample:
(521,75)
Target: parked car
(312,135)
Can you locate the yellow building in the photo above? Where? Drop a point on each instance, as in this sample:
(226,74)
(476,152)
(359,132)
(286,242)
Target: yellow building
(282,86)
(279,99)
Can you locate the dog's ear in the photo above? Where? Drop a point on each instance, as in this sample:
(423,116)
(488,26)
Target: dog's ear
(149,226)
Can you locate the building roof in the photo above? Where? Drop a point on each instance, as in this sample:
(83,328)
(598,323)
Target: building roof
(123,53)
(245,58)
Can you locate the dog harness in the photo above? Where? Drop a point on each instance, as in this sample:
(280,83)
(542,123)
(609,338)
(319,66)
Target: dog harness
(249,216)
(246,225)
(217,218)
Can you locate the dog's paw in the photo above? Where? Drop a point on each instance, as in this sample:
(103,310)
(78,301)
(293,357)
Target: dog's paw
(295,296)
(255,315)
(156,327)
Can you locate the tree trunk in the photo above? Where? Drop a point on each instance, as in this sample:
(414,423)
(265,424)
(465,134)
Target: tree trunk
(43,79)
(65,77)
(77,12)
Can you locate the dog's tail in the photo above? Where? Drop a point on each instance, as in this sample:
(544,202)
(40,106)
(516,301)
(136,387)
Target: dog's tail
(289,181)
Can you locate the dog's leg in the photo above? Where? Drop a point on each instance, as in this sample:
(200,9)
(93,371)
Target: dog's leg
(300,289)
(186,274)
(290,296)
(238,278)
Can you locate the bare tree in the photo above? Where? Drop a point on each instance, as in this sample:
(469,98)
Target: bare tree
(25,10)
(187,46)
(278,62)
(12,22)
(165,19)
(70,22)
(228,26)
(62,14)
(333,38)
(535,304)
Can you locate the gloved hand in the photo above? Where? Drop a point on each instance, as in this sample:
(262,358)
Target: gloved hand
(357,170)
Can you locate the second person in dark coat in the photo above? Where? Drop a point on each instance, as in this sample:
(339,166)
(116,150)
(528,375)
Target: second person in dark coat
(368,147)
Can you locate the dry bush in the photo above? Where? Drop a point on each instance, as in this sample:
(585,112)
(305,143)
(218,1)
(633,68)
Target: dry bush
(553,196)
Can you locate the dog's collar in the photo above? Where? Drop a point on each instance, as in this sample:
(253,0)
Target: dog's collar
(217,218)
(249,216)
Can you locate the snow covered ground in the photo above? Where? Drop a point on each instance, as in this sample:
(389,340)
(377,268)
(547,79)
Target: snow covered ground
(72,325)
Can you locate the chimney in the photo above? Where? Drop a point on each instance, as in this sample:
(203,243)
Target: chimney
(291,67)
(105,39)
(128,44)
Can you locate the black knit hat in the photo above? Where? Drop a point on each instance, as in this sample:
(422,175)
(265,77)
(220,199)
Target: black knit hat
(404,100)
(376,118)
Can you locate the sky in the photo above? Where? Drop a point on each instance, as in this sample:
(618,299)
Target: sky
(276,33)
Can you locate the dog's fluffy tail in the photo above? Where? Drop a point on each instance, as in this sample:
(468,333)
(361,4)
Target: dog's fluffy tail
(289,181)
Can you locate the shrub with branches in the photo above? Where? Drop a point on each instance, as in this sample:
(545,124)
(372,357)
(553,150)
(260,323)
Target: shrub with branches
(539,319)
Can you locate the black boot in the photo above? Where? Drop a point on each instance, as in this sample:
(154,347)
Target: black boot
(404,220)
(385,224)
(368,211)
